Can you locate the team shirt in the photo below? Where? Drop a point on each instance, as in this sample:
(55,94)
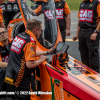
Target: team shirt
(23,49)
(89,13)
(62,9)
(4,51)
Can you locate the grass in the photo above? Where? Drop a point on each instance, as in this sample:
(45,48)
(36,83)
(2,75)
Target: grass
(74,4)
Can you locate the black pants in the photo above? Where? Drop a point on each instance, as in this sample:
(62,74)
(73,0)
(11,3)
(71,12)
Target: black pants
(3,85)
(63,35)
(89,48)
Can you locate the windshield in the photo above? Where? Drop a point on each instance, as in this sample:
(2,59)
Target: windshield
(45,12)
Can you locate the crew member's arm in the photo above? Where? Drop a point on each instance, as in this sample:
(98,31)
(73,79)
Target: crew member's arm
(1,22)
(35,63)
(30,54)
(78,29)
(93,36)
(35,12)
(1,18)
(38,53)
(68,19)
(77,33)
(2,64)
(31,11)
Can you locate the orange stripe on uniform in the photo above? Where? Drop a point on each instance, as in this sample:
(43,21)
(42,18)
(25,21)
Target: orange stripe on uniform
(20,74)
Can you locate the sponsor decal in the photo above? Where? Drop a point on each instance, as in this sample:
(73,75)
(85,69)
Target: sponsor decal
(5,59)
(15,7)
(99,0)
(32,39)
(90,5)
(59,4)
(49,14)
(86,15)
(57,93)
(80,72)
(82,5)
(33,50)
(17,44)
(59,13)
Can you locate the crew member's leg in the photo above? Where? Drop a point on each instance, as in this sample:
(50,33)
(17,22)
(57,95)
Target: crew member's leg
(83,48)
(3,86)
(63,35)
(47,35)
(93,47)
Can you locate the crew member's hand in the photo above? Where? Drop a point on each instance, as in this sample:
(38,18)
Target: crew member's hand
(51,50)
(75,37)
(43,58)
(93,36)
(67,32)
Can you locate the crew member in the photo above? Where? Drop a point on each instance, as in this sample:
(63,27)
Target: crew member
(22,58)
(88,33)
(1,15)
(5,45)
(63,16)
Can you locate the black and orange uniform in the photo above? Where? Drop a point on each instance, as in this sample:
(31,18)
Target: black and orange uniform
(4,56)
(1,15)
(89,15)
(62,9)
(23,49)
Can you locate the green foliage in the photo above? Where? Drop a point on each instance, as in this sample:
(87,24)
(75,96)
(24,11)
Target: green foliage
(74,4)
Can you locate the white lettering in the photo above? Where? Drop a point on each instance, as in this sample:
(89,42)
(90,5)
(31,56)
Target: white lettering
(17,44)
(86,15)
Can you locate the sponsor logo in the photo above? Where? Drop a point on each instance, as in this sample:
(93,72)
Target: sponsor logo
(33,52)
(59,4)
(57,92)
(32,39)
(17,44)
(86,15)
(49,14)
(5,59)
(82,5)
(59,13)
(90,5)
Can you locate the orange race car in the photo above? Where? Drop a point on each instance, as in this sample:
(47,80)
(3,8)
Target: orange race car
(61,77)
